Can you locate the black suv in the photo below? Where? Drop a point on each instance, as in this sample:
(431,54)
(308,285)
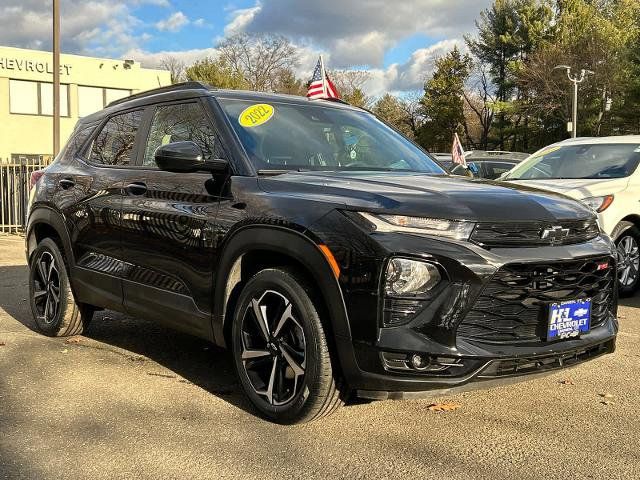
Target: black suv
(335,257)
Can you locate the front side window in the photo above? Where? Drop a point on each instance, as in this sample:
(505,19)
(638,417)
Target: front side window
(114,144)
(291,136)
(579,161)
(178,123)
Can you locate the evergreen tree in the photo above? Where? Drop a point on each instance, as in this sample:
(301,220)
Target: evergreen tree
(395,112)
(508,33)
(443,103)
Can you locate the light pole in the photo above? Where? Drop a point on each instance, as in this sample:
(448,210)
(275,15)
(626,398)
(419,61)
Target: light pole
(575,79)
(56,77)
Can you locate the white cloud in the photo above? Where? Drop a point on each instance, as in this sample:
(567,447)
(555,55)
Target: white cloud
(347,32)
(356,34)
(173,23)
(155,59)
(94,27)
(241,18)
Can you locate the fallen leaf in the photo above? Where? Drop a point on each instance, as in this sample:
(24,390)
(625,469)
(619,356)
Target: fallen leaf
(73,340)
(606,395)
(443,407)
(566,381)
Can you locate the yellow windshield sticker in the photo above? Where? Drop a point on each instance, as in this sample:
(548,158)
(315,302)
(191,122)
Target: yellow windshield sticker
(256,115)
(546,151)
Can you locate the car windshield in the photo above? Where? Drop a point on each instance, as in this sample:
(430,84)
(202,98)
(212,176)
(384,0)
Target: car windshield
(290,136)
(579,161)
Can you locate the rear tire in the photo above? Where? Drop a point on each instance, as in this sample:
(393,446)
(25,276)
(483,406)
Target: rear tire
(54,308)
(280,349)
(627,239)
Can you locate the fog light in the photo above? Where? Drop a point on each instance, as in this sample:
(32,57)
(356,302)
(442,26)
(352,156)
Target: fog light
(419,362)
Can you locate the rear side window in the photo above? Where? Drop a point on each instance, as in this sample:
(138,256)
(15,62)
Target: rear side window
(178,123)
(76,141)
(114,144)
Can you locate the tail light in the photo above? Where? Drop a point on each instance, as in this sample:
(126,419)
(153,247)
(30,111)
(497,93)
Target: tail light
(35,176)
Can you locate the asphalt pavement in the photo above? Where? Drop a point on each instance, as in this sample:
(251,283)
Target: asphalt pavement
(132,399)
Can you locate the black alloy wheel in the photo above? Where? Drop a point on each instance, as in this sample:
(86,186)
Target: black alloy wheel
(273,348)
(280,349)
(54,308)
(46,291)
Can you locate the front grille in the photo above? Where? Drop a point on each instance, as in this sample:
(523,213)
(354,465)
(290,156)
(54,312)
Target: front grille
(531,234)
(513,306)
(521,366)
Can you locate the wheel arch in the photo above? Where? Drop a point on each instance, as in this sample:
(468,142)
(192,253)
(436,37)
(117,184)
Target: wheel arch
(253,248)
(633,218)
(45,222)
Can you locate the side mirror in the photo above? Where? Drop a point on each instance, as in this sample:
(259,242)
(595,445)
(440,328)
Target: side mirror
(186,157)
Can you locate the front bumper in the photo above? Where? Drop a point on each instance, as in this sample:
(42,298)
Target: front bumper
(514,363)
(491,373)
(482,362)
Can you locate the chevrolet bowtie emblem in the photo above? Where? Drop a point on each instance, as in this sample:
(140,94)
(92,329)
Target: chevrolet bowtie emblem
(555,234)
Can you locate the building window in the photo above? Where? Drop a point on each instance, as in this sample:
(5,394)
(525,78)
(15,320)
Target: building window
(93,99)
(36,98)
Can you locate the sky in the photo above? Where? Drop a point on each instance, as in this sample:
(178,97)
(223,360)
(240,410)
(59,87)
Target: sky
(397,41)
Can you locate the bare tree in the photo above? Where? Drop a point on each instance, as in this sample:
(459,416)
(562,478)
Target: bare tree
(350,85)
(413,112)
(175,66)
(259,59)
(479,107)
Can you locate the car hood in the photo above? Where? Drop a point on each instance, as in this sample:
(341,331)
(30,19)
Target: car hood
(578,188)
(427,195)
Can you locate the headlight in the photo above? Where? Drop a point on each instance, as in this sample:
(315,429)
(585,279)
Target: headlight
(410,277)
(456,229)
(599,204)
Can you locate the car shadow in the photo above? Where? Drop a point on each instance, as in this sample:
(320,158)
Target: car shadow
(166,353)
(633,301)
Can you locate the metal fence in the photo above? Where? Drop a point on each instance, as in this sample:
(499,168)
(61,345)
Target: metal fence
(14,191)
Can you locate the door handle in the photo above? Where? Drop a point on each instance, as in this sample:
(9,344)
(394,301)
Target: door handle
(136,188)
(66,183)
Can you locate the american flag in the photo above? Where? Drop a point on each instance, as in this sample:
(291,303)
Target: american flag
(457,152)
(321,85)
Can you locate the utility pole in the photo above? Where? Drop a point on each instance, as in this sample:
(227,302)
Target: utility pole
(56,77)
(575,79)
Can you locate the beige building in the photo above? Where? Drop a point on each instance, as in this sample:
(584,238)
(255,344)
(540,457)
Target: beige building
(87,85)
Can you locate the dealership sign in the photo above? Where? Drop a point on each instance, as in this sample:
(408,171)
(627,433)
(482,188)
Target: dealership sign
(24,65)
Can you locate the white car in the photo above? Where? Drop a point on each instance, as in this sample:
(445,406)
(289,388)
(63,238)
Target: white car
(602,172)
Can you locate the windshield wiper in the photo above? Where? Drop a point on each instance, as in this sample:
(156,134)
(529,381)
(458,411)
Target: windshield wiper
(269,172)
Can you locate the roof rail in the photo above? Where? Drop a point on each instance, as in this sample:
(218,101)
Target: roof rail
(169,88)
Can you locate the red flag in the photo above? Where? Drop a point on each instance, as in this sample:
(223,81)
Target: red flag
(321,85)
(457,152)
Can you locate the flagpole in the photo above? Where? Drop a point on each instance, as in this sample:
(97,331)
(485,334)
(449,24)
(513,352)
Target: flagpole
(56,77)
(324,77)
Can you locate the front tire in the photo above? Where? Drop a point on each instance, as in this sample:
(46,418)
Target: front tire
(280,349)
(54,308)
(627,239)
